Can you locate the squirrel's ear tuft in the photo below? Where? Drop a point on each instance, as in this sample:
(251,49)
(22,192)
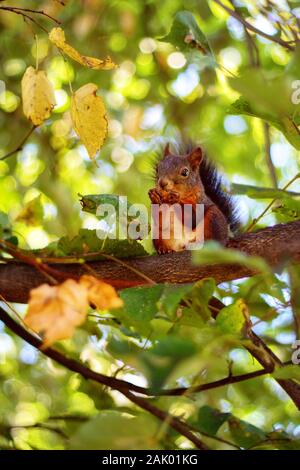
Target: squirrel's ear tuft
(167,150)
(195,157)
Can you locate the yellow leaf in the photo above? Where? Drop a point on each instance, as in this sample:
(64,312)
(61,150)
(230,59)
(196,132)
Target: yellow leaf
(57,37)
(100,294)
(55,311)
(37,95)
(32,213)
(89,117)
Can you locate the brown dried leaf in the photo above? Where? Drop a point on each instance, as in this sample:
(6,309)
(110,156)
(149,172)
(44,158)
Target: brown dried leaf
(100,294)
(55,311)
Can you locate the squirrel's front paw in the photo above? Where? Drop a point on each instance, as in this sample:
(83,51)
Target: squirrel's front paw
(163,250)
(173,197)
(154,196)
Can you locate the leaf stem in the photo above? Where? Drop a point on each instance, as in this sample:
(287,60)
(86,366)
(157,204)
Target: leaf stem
(37,51)
(254,222)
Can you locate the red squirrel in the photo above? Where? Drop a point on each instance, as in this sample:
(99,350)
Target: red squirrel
(192,179)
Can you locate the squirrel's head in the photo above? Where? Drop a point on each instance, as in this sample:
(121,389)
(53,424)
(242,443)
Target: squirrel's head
(179,172)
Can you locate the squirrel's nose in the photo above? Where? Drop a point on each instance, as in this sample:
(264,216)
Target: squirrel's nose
(164,183)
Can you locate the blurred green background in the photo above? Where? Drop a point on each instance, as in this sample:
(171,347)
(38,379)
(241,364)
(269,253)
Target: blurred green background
(156,92)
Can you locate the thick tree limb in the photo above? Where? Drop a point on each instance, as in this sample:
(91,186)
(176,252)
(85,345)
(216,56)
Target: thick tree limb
(275,244)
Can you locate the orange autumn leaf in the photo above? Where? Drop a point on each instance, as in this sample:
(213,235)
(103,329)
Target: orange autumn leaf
(55,311)
(100,294)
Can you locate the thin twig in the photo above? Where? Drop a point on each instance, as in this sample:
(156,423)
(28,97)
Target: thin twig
(250,27)
(231,379)
(116,384)
(29,10)
(269,161)
(255,62)
(21,144)
(179,426)
(216,438)
(254,222)
(26,17)
(50,273)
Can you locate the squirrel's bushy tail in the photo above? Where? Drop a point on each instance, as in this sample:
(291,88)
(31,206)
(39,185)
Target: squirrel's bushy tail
(213,185)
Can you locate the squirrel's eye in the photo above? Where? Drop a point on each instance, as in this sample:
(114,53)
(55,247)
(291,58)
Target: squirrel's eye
(185,172)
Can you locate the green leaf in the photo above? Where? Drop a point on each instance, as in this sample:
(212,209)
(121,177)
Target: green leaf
(171,297)
(140,303)
(294,286)
(4,220)
(190,317)
(91,202)
(121,348)
(256,192)
(258,89)
(5,228)
(209,420)
(234,318)
(292,69)
(88,241)
(288,207)
(242,106)
(245,434)
(214,253)
(186,34)
(287,372)
(278,440)
(32,213)
(116,431)
(196,312)
(161,360)
(121,210)
(253,287)
(200,296)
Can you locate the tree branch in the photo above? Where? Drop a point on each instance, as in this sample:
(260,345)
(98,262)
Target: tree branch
(121,386)
(270,164)
(265,356)
(231,379)
(250,27)
(275,244)
(268,359)
(24,11)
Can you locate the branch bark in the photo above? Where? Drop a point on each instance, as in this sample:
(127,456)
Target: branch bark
(275,244)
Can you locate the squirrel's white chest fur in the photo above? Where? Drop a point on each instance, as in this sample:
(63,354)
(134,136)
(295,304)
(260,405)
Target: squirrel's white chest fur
(172,233)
